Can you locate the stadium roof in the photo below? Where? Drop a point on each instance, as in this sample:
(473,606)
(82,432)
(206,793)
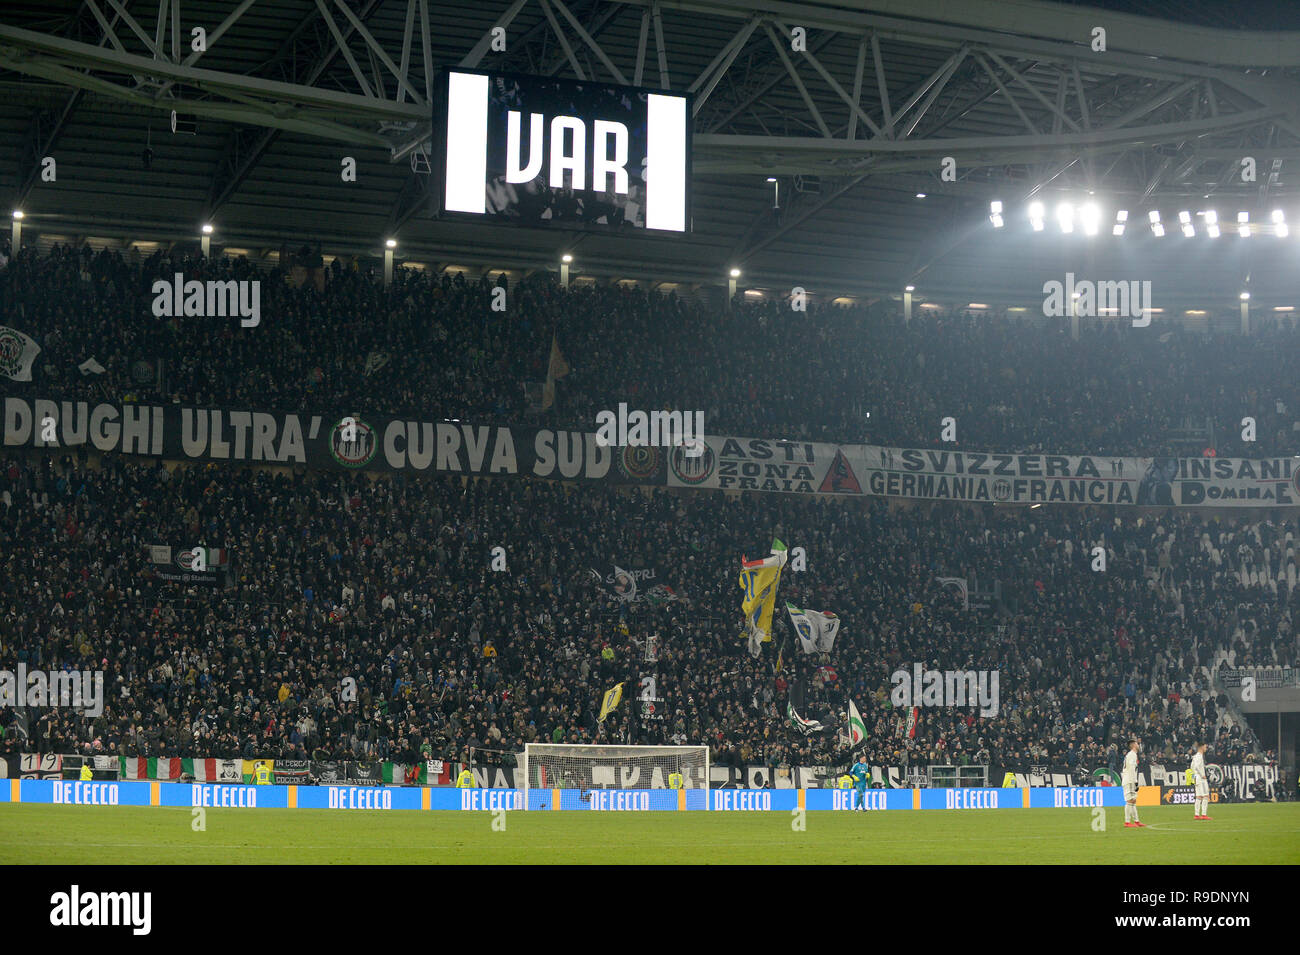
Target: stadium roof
(851,129)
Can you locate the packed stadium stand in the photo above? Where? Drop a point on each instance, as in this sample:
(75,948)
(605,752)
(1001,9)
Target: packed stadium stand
(384,579)
(1016,385)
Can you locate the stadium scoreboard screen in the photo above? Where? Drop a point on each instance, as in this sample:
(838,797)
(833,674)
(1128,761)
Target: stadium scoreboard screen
(540,151)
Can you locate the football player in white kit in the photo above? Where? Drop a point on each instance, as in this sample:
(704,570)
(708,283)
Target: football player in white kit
(1129,778)
(1202,783)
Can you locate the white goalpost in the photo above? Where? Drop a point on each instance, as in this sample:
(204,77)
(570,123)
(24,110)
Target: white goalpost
(577,770)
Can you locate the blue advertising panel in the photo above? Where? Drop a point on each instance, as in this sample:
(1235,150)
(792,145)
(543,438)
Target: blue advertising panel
(1075,797)
(972,799)
(842,799)
(358,797)
(76,793)
(619,800)
(219,796)
(753,800)
(484,800)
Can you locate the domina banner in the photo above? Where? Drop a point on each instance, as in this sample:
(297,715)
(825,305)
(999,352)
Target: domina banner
(320,440)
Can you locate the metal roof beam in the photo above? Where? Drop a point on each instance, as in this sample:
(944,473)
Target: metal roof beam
(1031,27)
(794,76)
(341,42)
(587,39)
(851,101)
(378,51)
(246,147)
(24,44)
(475,56)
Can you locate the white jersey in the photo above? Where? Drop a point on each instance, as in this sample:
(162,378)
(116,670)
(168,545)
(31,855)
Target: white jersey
(1130,775)
(1199,777)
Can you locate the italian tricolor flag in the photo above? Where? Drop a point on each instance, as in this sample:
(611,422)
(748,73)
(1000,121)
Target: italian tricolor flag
(137,767)
(202,770)
(395,774)
(857,729)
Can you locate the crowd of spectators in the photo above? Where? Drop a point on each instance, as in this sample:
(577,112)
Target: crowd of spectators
(389,582)
(432,345)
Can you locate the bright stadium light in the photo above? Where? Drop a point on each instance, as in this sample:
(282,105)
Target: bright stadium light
(1279,224)
(1212,223)
(1065,216)
(910,288)
(18,213)
(1185,219)
(566,257)
(1157,229)
(735,273)
(920,195)
(1090,216)
(995,213)
(389,246)
(1036,214)
(1245,296)
(207,228)
(1121,218)
(1243,224)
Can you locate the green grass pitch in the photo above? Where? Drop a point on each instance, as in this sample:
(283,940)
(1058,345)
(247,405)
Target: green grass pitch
(1239,834)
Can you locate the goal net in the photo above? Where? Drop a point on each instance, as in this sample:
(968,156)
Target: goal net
(588,776)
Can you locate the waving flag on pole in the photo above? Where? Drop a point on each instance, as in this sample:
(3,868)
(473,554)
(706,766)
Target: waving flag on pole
(17,352)
(556,368)
(958,586)
(857,728)
(804,726)
(759,580)
(611,701)
(624,584)
(816,629)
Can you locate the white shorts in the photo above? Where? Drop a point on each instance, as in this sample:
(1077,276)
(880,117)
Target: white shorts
(1130,792)
(1203,789)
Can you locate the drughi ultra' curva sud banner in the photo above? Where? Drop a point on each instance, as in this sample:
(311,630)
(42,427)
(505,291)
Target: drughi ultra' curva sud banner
(219,796)
(320,440)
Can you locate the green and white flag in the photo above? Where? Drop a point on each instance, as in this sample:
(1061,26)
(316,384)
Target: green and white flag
(816,629)
(857,728)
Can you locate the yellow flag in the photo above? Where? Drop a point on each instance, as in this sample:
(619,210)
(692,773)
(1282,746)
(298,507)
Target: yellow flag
(759,584)
(611,701)
(556,368)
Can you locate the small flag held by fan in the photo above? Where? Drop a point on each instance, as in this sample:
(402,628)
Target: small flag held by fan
(857,729)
